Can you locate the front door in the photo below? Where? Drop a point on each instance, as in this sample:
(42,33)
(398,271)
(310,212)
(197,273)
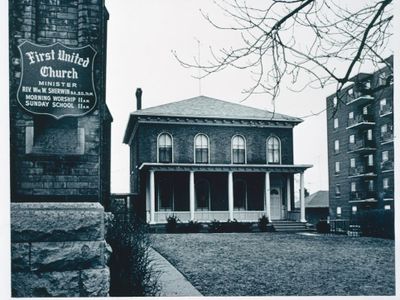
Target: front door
(276,204)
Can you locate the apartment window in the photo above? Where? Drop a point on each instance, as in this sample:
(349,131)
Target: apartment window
(353,187)
(352,139)
(370,184)
(370,160)
(354,209)
(367,85)
(352,162)
(337,190)
(382,103)
(384,129)
(382,78)
(365,110)
(350,92)
(385,183)
(201,148)
(351,115)
(336,146)
(338,211)
(385,156)
(337,167)
(273,150)
(334,101)
(336,123)
(165,148)
(238,150)
(369,134)
(387,207)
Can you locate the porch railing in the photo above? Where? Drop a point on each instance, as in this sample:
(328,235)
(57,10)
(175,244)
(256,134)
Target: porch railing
(339,226)
(208,216)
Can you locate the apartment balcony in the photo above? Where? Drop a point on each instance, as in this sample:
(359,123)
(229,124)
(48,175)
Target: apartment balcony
(386,138)
(361,121)
(360,98)
(386,110)
(363,196)
(387,166)
(362,146)
(362,171)
(388,194)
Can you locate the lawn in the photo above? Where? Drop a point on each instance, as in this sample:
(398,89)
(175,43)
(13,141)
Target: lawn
(262,264)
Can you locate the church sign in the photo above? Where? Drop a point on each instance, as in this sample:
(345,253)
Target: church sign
(56,80)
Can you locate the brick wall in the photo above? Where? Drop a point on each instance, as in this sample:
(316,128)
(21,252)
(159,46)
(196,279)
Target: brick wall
(43,166)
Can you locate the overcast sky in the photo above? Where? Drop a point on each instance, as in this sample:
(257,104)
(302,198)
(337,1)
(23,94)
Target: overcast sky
(141,36)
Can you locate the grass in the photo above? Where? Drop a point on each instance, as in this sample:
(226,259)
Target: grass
(272,264)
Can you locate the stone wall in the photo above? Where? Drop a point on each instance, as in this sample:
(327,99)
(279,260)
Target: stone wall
(59,250)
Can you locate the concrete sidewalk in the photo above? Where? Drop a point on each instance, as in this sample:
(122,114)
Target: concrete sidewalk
(172,282)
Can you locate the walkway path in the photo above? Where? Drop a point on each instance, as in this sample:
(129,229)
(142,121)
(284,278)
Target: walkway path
(172,282)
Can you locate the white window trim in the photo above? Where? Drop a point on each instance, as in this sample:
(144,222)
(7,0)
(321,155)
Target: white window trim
(280,149)
(172,146)
(245,148)
(208,147)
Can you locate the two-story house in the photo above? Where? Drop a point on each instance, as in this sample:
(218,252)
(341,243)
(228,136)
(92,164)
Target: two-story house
(204,159)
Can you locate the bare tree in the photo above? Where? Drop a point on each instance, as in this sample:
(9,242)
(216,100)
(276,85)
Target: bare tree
(331,33)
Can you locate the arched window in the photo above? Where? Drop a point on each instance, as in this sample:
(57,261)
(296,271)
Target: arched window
(238,150)
(202,188)
(273,150)
(201,149)
(164,148)
(240,194)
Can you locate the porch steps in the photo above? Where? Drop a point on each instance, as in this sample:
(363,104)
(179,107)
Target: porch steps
(289,226)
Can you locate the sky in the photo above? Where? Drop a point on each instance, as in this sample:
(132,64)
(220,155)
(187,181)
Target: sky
(141,38)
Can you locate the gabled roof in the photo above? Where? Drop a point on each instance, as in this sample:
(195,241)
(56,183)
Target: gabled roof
(318,199)
(207,107)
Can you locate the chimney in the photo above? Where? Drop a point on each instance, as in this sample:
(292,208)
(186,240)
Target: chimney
(138,99)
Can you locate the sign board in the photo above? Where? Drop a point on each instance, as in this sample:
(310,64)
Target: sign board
(56,80)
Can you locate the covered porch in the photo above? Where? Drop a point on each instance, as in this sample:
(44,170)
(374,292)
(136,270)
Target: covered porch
(207,192)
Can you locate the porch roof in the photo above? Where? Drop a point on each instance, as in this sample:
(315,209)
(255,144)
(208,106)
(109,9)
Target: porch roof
(186,167)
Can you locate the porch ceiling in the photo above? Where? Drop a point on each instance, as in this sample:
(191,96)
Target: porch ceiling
(223,167)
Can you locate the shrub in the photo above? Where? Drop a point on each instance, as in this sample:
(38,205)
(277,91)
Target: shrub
(215,226)
(263,223)
(192,227)
(131,268)
(172,224)
(323,226)
(375,222)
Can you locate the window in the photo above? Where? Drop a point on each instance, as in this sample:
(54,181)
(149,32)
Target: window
(353,187)
(384,129)
(382,103)
(354,209)
(337,167)
(351,115)
(202,187)
(382,79)
(387,207)
(385,183)
(365,110)
(370,158)
(367,85)
(352,139)
(369,134)
(334,100)
(350,92)
(239,194)
(370,185)
(337,190)
(238,150)
(201,148)
(338,211)
(336,147)
(164,148)
(165,195)
(385,156)
(352,162)
(336,123)
(273,150)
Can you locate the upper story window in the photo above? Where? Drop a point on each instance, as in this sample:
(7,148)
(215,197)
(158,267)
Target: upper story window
(165,148)
(352,162)
(336,123)
(352,139)
(351,115)
(238,150)
(382,104)
(273,150)
(385,156)
(336,146)
(337,167)
(201,148)
(353,186)
(334,101)
(370,160)
(382,78)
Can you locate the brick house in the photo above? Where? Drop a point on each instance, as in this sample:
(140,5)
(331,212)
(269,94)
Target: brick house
(360,144)
(204,159)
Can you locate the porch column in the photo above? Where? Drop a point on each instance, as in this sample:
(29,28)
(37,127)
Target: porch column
(288,203)
(267,196)
(191,195)
(230,194)
(302,203)
(152,197)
